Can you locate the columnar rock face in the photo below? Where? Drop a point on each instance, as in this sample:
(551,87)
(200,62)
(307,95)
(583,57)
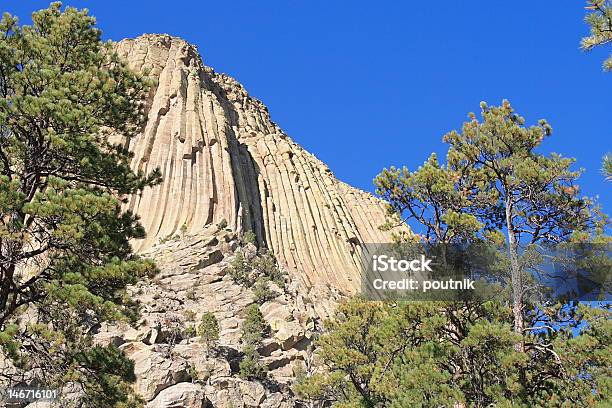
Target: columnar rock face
(222,158)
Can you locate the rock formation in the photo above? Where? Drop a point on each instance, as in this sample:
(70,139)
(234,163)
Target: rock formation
(228,169)
(224,161)
(173,367)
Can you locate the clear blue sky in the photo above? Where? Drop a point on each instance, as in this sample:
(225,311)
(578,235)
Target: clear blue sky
(365,85)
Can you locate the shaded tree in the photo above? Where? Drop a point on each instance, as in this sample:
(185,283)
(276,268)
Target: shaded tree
(208,330)
(250,365)
(254,329)
(495,187)
(262,291)
(65,257)
(410,354)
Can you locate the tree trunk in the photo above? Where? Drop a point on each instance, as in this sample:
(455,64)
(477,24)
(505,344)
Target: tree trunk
(516,273)
(5,293)
(9,253)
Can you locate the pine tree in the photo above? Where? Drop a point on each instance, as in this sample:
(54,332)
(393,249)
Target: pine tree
(533,198)
(262,291)
(494,184)
(208,330)
(254,329)
(250,365)
(466,352)
(599,20)
(607,166)
(65,257)
(412,354)
(239,270)
(431,197)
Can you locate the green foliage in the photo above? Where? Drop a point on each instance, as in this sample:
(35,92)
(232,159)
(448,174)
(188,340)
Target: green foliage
(193,374)
(251,366)
(431,196)
(64,239)
(249,237)
(108,368)
(261,266)
(491,163)
(262,291)
(265,263)
(221,225)
(435,354)
(532,196)
(599,19)
(494,188)
(208,330)
(239,270)
(607,166)
(254,327)
(323,389)
(495,183)
(190,331)
(190,294)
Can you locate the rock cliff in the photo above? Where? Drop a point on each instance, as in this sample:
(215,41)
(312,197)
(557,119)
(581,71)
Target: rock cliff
(224,161)
(228,169)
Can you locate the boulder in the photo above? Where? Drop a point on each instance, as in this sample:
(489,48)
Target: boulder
(155,371)
(253,393)
(276,313)
(235,393)
(204,364)
(182,395)
(276,400)
(289,334)
(210,258)
(110,334)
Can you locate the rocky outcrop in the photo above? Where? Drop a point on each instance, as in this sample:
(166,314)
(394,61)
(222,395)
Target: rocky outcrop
(183,395)
(173,368)
(157,369)
(224,161)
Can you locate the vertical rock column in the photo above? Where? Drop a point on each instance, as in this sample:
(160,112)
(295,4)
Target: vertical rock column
(222,158)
